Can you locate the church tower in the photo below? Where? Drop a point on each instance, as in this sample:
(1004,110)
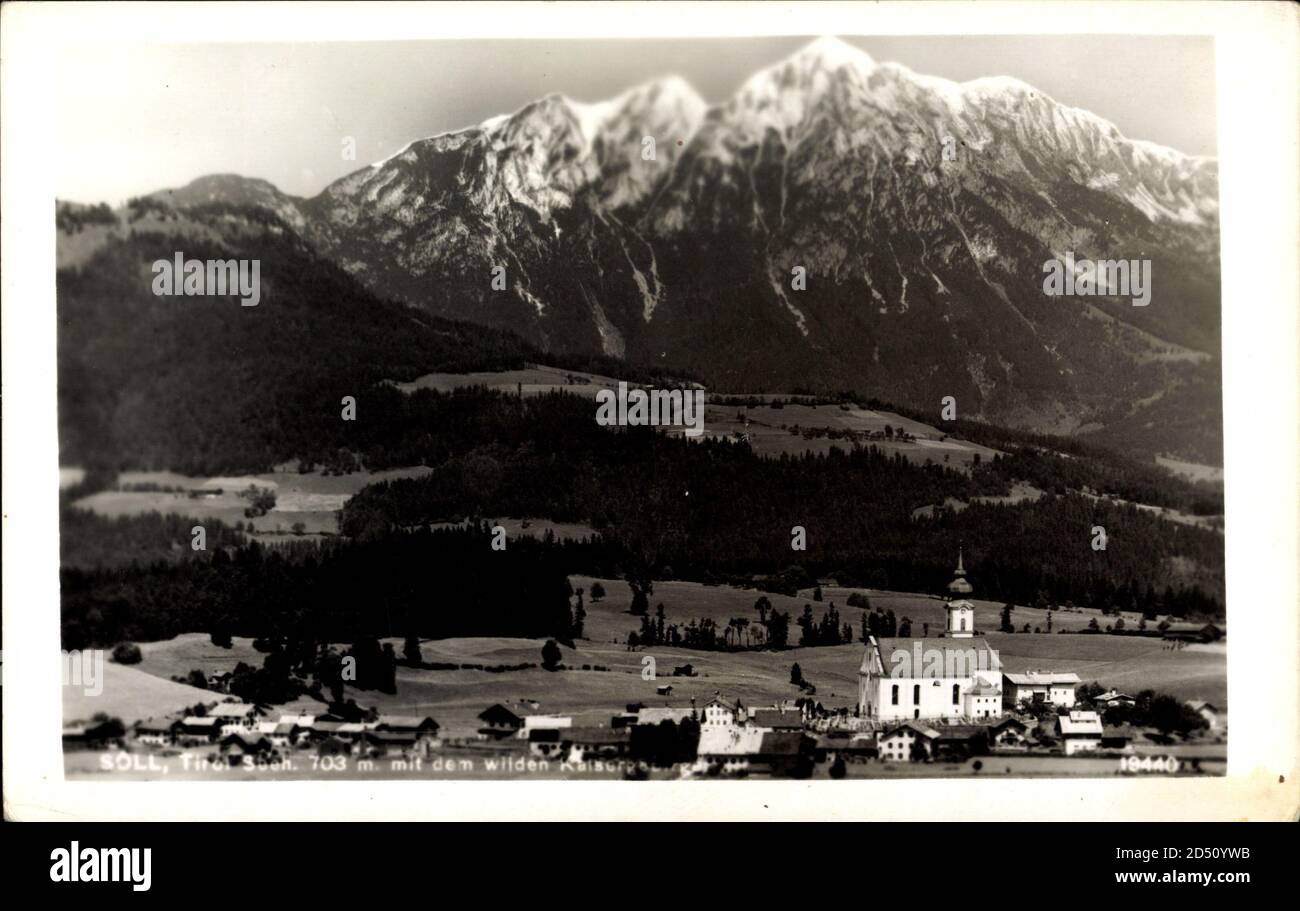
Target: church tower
(961,613)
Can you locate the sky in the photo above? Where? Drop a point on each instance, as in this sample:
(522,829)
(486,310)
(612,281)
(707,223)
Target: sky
(132,120)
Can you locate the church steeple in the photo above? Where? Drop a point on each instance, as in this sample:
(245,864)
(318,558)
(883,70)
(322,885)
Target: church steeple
(961,613)
(959,585)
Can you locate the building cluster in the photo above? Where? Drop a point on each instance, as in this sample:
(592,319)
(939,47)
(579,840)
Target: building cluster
(241,729)
(931,698)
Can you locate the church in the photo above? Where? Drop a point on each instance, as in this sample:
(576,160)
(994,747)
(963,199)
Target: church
(956,676)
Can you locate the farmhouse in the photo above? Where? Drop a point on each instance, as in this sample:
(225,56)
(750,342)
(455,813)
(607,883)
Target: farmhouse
(1008,733)
(844,743)
(960,741)
(155,732)
(906,742)
(1081,732)
(1113,699)
(1038,686)
(956,676)
(585,744)
(499,722)
(730,747)
(750,749)
(718,712)
(242,744)
(193,729)
(420,727)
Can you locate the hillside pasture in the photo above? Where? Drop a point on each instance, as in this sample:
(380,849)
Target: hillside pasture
(312,498)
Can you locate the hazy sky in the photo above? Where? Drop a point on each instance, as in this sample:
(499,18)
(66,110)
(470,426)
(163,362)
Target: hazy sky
(133,119)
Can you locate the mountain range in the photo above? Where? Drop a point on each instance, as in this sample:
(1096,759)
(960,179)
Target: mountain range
(837,224)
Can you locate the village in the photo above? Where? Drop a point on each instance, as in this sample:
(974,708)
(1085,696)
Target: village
(921,703)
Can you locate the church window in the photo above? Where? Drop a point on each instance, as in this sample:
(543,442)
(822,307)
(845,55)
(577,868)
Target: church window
(955,690)
(916,693)
(895,694)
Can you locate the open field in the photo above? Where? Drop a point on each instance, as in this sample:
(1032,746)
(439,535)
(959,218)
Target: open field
(767,427)
(769,430)
(1193,471)
(130,693)
(535,379)
(313,498)
(757,678)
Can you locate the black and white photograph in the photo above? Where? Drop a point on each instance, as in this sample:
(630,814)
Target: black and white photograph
(822,405)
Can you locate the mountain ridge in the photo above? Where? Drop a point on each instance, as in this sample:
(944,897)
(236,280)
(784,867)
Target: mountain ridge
(920,209)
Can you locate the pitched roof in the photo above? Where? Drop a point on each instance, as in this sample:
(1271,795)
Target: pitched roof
(499,714)
(595,736)
(405,722)
(971,654)
(233,710)
(1042,678)
(775,718)
(1080,723)
(194,721)
(782,743)
(914,726)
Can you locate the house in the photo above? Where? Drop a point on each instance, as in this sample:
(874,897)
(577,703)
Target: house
(1009,733)
(543,722)
(1211,633)
(684,670)
(787,754)
(243,744)
(729,749)
(1080,732)
(1209,712)
(1113,699)
(97,734)
(906,742)
(324,730)
(718,712)
(545,742)
(422,727)
(288,731)
(1020,690)
(499,722)
(961,741)
(777,719)
(158,733)
(586,744)
(1116,738)
(956,675)
(664,690)
(844,743)
(741,750)
(194,729)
